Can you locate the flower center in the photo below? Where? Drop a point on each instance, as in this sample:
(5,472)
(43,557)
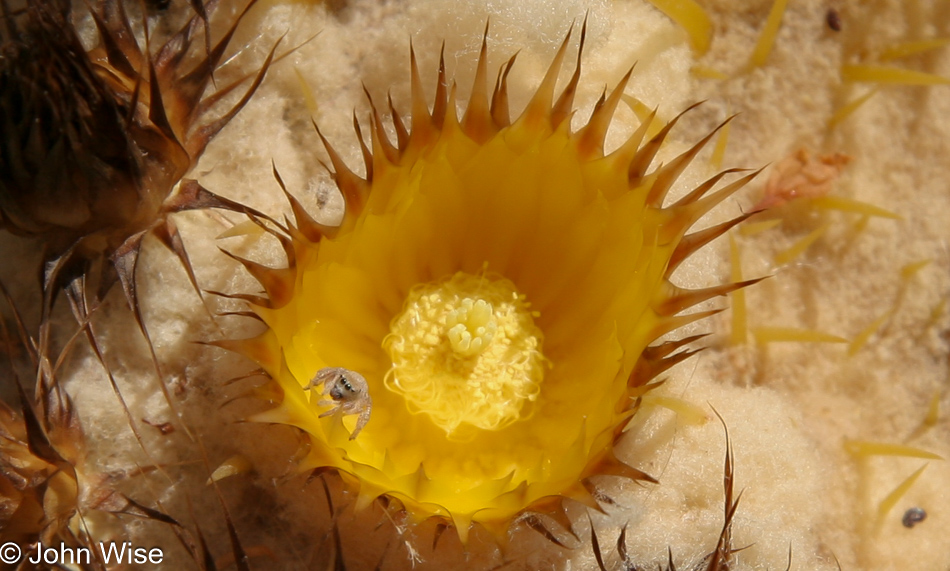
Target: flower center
(466,350)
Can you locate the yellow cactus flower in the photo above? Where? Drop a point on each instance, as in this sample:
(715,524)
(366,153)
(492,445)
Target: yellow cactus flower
(497,284)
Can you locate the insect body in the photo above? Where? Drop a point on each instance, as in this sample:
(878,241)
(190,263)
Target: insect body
(913,516)
(833,19)
(348,390)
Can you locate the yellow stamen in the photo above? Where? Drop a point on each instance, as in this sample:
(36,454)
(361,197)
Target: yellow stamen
(466,350)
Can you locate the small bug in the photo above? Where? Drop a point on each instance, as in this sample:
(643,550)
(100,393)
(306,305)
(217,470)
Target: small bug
(833,19)
(348,390)
(913,516)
